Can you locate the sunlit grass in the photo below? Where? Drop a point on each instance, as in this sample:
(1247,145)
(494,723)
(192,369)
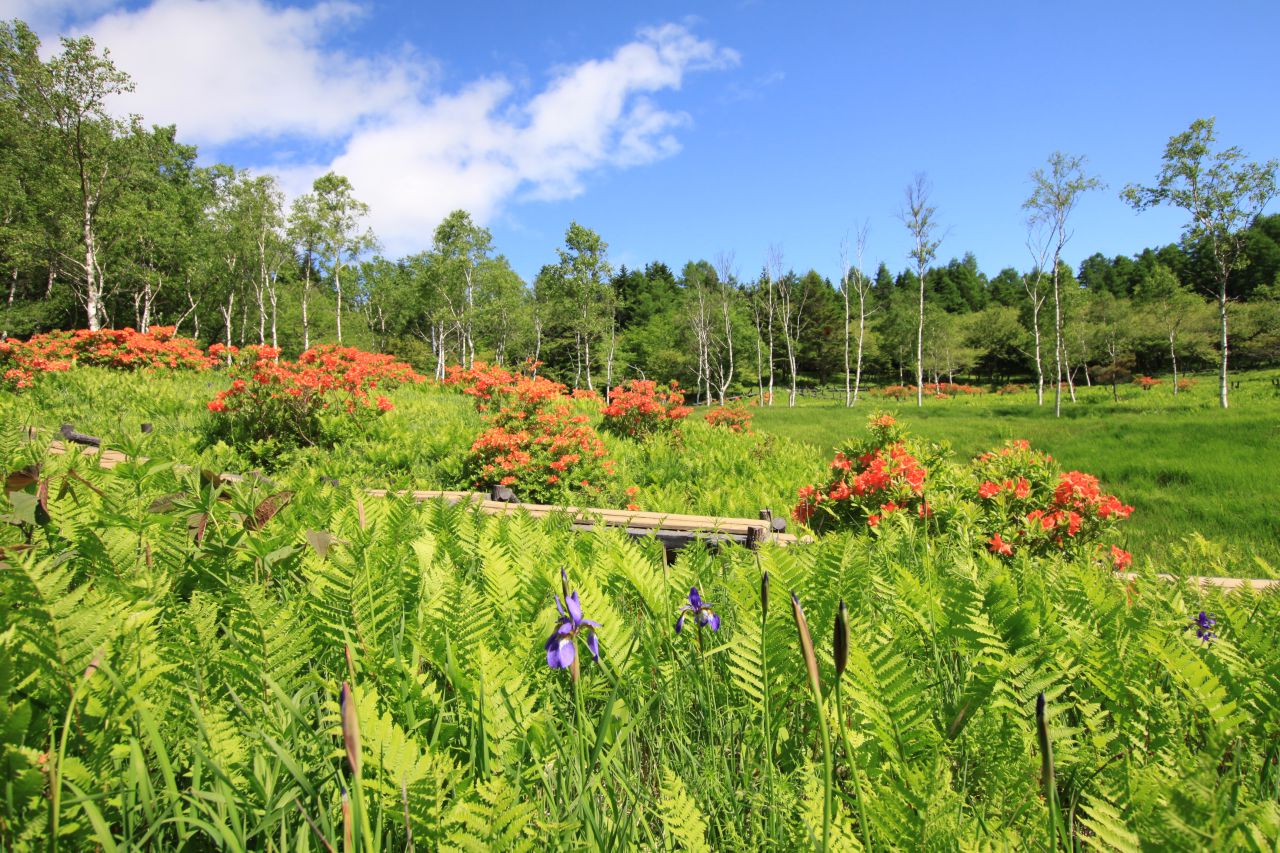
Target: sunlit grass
(1186,465)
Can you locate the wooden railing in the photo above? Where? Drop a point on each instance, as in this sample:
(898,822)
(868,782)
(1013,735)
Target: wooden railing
(673,530)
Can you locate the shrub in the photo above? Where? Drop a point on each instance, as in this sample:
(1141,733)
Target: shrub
(1147,382)
(951,389)
(22,362)
(869,480)
(20,367)
(359,369)
(1016,498)
(534,443)
(639,409)
(274,405)
(1186,383)
(1027,502)
(732,418)
(931,389)
(897,392)
(552,456)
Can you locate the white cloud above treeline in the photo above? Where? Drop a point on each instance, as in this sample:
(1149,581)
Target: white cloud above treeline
(248,71)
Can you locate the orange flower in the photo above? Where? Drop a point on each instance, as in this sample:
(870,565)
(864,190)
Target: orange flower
(998,546)
(1121,558)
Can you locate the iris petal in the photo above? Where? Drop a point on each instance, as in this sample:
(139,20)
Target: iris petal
(553,651)
(575,609)
(567,653)
(594,645)
(695,598)
(679,623)
(714,622)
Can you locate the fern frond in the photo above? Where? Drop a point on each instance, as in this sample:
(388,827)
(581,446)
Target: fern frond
(680,815)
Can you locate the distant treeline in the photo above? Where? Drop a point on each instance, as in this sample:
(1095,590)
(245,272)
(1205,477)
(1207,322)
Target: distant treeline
(105,222)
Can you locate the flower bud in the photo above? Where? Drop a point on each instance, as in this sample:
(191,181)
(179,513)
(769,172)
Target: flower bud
(806,646)
(841,640)
(764,596)
(1046,748)
(350,727)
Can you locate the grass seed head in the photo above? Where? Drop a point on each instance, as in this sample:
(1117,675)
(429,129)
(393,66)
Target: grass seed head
(806,645)
(350,727)
(841,640)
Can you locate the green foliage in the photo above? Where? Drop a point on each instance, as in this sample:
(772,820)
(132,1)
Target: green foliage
(159,688)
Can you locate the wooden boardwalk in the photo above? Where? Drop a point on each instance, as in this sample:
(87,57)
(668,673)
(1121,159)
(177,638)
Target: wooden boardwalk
(674,530)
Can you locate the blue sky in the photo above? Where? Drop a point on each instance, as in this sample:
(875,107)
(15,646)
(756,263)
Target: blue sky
(680,131)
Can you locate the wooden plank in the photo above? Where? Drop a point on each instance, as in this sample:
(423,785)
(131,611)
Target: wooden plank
(1258,584)
(612,517)
(737,528)
(643,523)
(449,496)
(669,521)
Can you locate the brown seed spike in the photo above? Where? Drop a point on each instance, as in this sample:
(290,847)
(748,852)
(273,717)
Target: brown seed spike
(1046,746)
(350,728)
(841,641)
(806,645)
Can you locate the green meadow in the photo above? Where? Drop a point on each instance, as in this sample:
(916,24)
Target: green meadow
(1188,467)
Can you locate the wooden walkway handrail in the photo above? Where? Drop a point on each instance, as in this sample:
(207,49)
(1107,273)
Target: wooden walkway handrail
(674,529)
(1260,584)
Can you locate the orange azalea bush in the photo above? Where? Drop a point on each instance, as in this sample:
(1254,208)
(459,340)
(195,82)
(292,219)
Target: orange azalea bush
(1147,382)
(517,394)
(870,480)
(931,389)
(1026,502)
(546,459)
(1017,498)
(897,392)
(22,362)
(640,408)
(274,404)
(20,367)
(535,443)
(732,418)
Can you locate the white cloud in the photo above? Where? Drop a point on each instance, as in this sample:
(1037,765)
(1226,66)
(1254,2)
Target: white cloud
(479,148)
(225,70)
(229,71)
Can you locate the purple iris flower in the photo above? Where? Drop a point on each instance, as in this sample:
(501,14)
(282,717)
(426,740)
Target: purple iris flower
(701,610)
(1204,626)
(562,645)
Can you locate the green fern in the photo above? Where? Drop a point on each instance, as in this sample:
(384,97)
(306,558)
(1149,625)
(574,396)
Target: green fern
(684,824)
